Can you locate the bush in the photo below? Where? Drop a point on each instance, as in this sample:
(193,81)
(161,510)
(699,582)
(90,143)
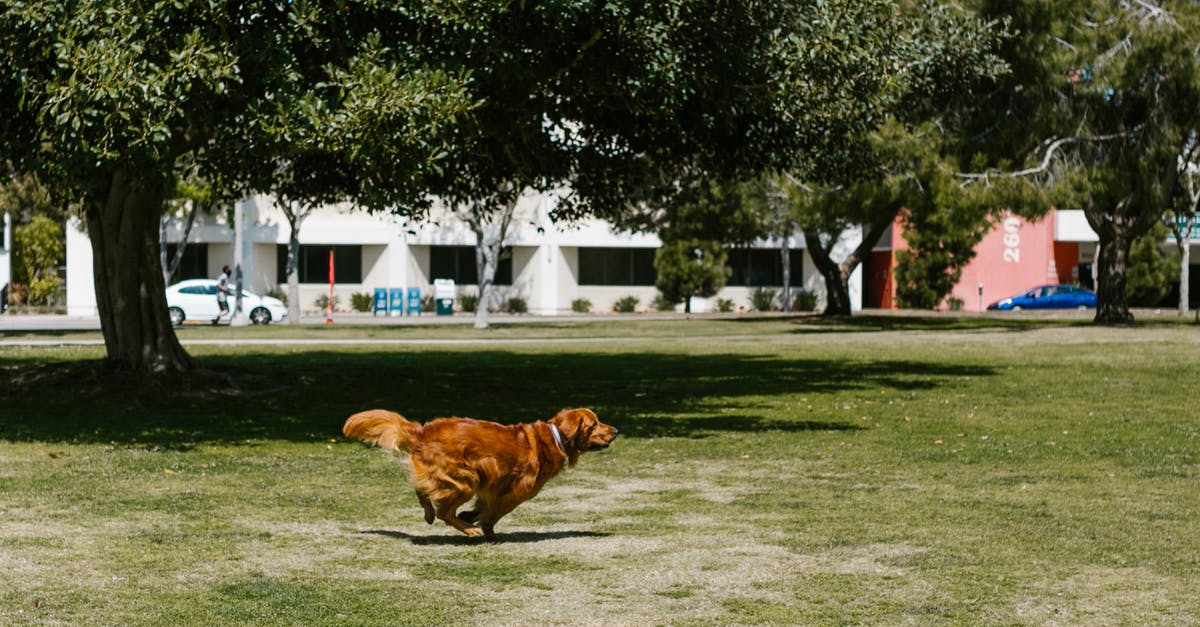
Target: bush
(581,305)
(516,305)
(724,305)
(763,299)
(469,302)
(428,304)
(281,294)
(660,303)
(323,301)
(362,301)
(805,301)
(954,303)
(627,304)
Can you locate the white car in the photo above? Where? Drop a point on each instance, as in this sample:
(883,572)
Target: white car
(196,299)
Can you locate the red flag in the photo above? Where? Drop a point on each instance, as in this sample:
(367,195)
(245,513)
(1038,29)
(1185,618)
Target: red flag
(331,268)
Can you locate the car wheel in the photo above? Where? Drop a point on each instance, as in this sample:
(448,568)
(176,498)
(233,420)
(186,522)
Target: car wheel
(177,316)
(260,315)
(1015,308)
(1082,308)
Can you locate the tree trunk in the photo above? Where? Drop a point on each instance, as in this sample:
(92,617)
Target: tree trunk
(293,273)
(837,295)
(170,268)
(1185,260)
(1112,306)
(130,292)
(785,258)
(487,260)
(837,274)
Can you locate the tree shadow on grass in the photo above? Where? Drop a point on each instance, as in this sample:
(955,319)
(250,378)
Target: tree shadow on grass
(306,396)
(457,539)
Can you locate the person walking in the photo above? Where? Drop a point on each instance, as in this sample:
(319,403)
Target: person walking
(223,292)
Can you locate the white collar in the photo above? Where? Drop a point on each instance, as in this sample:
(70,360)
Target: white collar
(557,438)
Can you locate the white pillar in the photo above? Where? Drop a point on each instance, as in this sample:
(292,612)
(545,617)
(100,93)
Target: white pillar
(548,260)
(6,253)
(81,281)
(397,268)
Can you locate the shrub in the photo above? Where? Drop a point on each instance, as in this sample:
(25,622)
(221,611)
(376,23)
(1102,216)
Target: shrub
(763,299)
(362,301)
(954,303)
(516,305)
(627,304)
(276,292)
(428,304)
(581,305)
(661,303)
(323,301)
(805,301)
(469,302)
(724,305)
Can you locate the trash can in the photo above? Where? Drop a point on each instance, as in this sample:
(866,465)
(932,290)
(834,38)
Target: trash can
(414,301)
(380,302)
(395,301)
(443,295)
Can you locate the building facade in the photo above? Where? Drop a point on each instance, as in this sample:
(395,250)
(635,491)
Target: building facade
(547,264)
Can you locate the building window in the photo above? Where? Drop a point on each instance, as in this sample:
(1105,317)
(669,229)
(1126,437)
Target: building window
(312,263)
(193,265)
(616,266)
(763,267)
(458,263)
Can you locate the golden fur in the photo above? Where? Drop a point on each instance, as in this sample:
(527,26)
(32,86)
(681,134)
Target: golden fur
(454,459)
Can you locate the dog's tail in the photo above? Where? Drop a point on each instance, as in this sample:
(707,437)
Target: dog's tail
(385,429)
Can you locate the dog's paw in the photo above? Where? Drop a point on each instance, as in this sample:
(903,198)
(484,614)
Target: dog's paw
(474,532)
(469,516)
(429,517)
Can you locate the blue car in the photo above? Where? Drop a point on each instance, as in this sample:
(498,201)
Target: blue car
(1049,297)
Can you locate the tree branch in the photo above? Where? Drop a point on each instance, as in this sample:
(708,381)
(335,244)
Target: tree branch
(1052,147)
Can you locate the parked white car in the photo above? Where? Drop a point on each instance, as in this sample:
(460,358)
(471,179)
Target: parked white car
(196,299)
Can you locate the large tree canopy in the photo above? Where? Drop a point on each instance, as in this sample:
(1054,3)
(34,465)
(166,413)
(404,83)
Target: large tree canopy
(107,98)
(1103,101)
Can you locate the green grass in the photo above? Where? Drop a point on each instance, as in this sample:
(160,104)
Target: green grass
(882,470)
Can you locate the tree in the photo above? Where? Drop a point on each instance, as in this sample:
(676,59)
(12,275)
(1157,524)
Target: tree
(108,98)
(1184,219)
(688,268)
(942,56)
(1111,91)
(1150,273)
(40,248)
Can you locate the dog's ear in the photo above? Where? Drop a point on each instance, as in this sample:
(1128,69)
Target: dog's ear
(570,422)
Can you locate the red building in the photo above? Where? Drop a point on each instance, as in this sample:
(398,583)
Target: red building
(1014,256)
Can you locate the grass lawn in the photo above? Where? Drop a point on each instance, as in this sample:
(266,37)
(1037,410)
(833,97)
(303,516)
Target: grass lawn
(787,471)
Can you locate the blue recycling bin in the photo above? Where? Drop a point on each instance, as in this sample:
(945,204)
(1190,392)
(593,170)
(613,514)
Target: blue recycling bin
(414,301)
(381,301)
(396,301)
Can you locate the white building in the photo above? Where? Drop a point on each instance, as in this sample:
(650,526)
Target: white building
(549,265)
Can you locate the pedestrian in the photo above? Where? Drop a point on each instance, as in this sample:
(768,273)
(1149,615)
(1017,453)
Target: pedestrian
(223,292)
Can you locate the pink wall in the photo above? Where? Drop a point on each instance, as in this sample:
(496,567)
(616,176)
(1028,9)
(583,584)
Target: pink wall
(1015,256)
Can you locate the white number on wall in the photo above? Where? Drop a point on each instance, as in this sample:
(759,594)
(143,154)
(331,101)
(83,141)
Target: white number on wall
(1012,239)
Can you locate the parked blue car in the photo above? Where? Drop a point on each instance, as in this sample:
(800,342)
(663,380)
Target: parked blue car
(1049,297)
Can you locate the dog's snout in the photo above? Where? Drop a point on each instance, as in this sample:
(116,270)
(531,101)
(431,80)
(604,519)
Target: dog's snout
(615,431)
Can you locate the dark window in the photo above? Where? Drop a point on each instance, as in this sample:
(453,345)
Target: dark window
(458,263)
(312,263)
(193,265)
(616,266)
(763,267)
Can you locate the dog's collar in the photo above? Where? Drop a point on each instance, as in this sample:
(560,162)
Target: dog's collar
(557,437)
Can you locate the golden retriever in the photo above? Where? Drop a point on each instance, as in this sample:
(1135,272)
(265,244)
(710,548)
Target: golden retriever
(452,460)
